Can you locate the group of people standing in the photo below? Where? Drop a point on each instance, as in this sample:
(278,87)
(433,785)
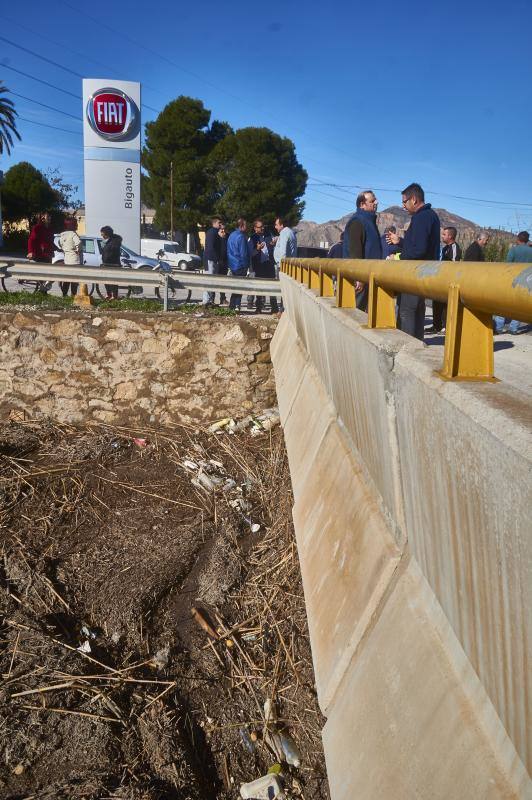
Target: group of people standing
(241,255)
(421,241)
(42,247)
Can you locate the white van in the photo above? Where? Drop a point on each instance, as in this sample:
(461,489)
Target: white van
(173,253)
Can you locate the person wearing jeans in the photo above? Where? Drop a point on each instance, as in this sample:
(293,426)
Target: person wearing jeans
(421,242)
(262,264)
(521,253)
(238,258)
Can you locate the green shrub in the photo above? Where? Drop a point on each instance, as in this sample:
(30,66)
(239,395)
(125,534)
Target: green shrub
(496,249)
(15,240)
(35,299)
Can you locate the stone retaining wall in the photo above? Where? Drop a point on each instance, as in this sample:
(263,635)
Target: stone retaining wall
(134,368)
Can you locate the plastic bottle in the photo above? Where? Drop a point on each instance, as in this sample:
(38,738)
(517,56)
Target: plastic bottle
(266,788)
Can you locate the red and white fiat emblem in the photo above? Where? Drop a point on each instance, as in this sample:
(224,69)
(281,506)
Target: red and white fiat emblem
(113,115)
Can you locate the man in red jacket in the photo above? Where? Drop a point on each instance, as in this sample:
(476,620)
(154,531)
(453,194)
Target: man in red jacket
(41,246)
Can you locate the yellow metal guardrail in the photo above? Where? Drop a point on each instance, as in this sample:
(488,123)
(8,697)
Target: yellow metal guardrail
(473,291)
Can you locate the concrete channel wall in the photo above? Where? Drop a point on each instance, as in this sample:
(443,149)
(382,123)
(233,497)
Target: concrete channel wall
(412,511)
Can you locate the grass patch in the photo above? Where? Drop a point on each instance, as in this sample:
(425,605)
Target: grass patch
(53,302)
(34,299)
(129,304)
(213,311)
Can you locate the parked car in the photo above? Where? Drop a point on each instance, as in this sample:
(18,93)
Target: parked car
(92,255)
(173,254)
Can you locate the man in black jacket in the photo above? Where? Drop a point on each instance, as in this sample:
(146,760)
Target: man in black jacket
(475,251)
(421,242)
(212,255)
(451,251)
(262,263)
(111,252)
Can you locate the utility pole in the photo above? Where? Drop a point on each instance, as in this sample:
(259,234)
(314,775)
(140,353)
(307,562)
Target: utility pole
(171,201)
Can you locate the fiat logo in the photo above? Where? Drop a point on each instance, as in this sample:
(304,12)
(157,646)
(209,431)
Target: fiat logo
(113,115)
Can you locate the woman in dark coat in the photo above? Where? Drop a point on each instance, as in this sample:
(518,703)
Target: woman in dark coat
(111,252)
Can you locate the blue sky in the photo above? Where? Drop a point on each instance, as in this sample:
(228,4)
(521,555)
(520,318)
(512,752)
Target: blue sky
(373,94)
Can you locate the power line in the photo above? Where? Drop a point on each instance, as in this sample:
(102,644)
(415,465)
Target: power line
(63,46)
(40,80)
(55,64)
(48,60)
(50,108)
(44,125)
(496,203)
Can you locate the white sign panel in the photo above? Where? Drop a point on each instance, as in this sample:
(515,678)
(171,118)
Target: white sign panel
(111,139)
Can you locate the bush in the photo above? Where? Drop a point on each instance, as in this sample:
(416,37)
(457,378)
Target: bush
(15,240)
(496,249)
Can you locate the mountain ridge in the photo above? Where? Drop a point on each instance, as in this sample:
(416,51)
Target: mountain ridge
(312,234)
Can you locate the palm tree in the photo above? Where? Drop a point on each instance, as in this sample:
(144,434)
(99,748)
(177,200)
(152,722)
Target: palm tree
(8,127)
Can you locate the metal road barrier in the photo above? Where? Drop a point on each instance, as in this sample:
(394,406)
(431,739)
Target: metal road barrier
(121,276)
(473,291)
(225,283)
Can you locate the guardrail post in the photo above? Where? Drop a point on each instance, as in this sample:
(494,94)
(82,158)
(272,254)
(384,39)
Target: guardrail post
(165,301)
(381,306)
(468,353)
(345,294)
(82,297)
(314,279)
(304,276)
(326,284)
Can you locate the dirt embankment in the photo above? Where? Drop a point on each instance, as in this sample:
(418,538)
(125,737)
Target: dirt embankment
(110,688)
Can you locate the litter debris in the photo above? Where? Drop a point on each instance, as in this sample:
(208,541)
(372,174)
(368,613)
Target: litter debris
(140,442)
(287,747)
(279,742)
(255,527)
(266,788)
(85,647)
(265,422)
(87,633)
(203,622)
(269,712)
(256,424)
(203,482)
(161,656)
(222,423)
(247,740)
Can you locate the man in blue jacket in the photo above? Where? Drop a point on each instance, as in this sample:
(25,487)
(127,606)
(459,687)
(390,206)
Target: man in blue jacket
(362,239)
(238,258)
(421,242)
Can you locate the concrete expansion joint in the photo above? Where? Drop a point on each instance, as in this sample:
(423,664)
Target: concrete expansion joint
(400,568)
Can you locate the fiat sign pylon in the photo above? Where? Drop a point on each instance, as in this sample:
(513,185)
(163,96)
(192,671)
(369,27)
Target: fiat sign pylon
(111,138)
